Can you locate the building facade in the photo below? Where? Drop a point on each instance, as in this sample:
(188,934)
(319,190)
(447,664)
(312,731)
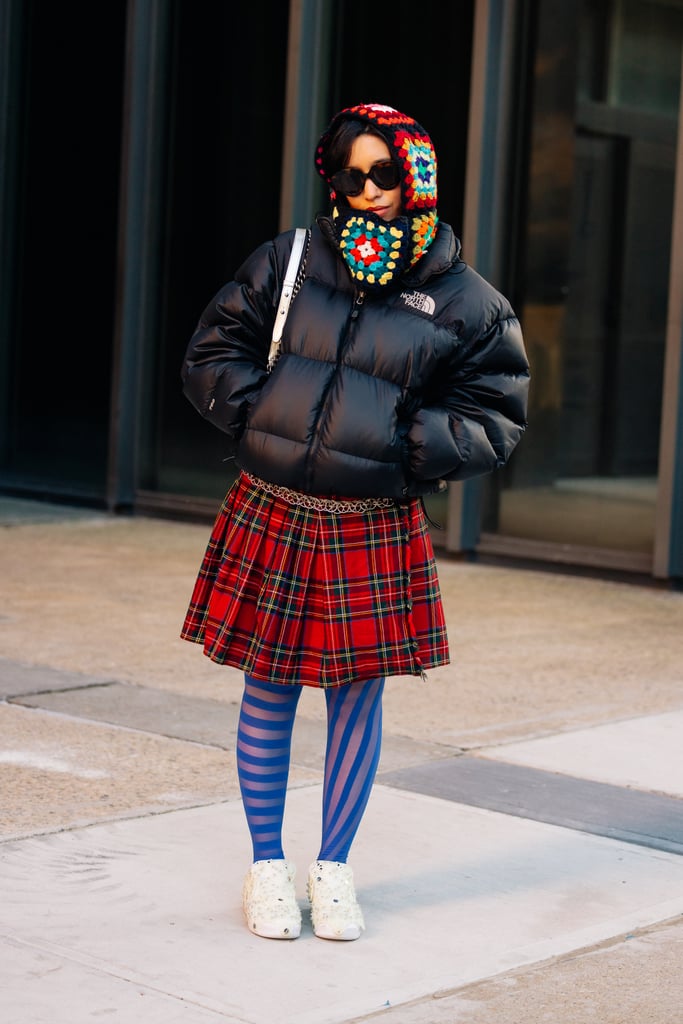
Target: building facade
(140,168)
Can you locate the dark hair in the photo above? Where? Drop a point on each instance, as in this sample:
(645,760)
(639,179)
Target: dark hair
(338,148)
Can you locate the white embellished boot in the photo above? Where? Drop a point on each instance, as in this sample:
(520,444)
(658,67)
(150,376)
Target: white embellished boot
(335,912)
(269,900)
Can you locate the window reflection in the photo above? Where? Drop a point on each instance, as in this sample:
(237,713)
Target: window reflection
(594,267)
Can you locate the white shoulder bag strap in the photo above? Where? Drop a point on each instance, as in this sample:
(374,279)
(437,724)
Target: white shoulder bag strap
(291,275)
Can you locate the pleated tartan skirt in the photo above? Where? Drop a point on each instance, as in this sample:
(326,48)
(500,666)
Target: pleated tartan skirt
(291,594)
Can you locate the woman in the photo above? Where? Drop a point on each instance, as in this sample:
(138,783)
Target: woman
(400,369)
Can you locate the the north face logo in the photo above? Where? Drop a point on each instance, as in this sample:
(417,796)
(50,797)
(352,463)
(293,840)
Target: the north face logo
(418,300)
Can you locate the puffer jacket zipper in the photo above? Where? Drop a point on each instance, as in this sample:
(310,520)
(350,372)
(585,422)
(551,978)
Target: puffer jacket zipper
(359,300)
(349,330)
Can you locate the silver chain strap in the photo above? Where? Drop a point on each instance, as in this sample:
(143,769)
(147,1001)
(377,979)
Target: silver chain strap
(302,267)
(317,503)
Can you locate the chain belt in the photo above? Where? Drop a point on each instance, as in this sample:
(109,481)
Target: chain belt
(314,501)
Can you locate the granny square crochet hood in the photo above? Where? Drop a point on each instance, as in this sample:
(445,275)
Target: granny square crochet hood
(376,251)
(408,142)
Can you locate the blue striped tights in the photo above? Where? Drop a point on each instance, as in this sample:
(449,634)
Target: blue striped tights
(264,735)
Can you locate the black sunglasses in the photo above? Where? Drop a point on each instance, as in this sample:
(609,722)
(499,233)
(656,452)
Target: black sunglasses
(351,182)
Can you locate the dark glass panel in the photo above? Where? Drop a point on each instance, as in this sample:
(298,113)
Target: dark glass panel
(223,195)
(68,156)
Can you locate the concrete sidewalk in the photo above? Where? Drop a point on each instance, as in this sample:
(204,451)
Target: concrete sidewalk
(520,859)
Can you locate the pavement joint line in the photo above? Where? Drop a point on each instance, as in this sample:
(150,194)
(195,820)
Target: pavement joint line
(138,814)
(521,970)
(21,679)
(16,698)
(26,705)
(104,967)
(114,725)
(511,741)
(575,954)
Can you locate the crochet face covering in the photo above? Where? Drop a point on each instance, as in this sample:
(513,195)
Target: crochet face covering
(376,251)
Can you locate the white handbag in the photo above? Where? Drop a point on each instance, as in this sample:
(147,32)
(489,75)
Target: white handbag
(289,289)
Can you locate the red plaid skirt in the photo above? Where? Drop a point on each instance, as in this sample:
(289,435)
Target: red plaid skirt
(297,595)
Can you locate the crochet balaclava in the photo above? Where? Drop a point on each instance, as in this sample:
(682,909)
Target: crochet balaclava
(376,251)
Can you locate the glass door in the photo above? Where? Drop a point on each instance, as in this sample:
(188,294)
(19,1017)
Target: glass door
(221,200)
(592,278)
(58,295)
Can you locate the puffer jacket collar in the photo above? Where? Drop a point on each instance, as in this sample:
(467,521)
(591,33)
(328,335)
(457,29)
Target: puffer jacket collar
(441,255)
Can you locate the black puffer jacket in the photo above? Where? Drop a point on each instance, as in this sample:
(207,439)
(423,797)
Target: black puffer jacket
(373,395)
